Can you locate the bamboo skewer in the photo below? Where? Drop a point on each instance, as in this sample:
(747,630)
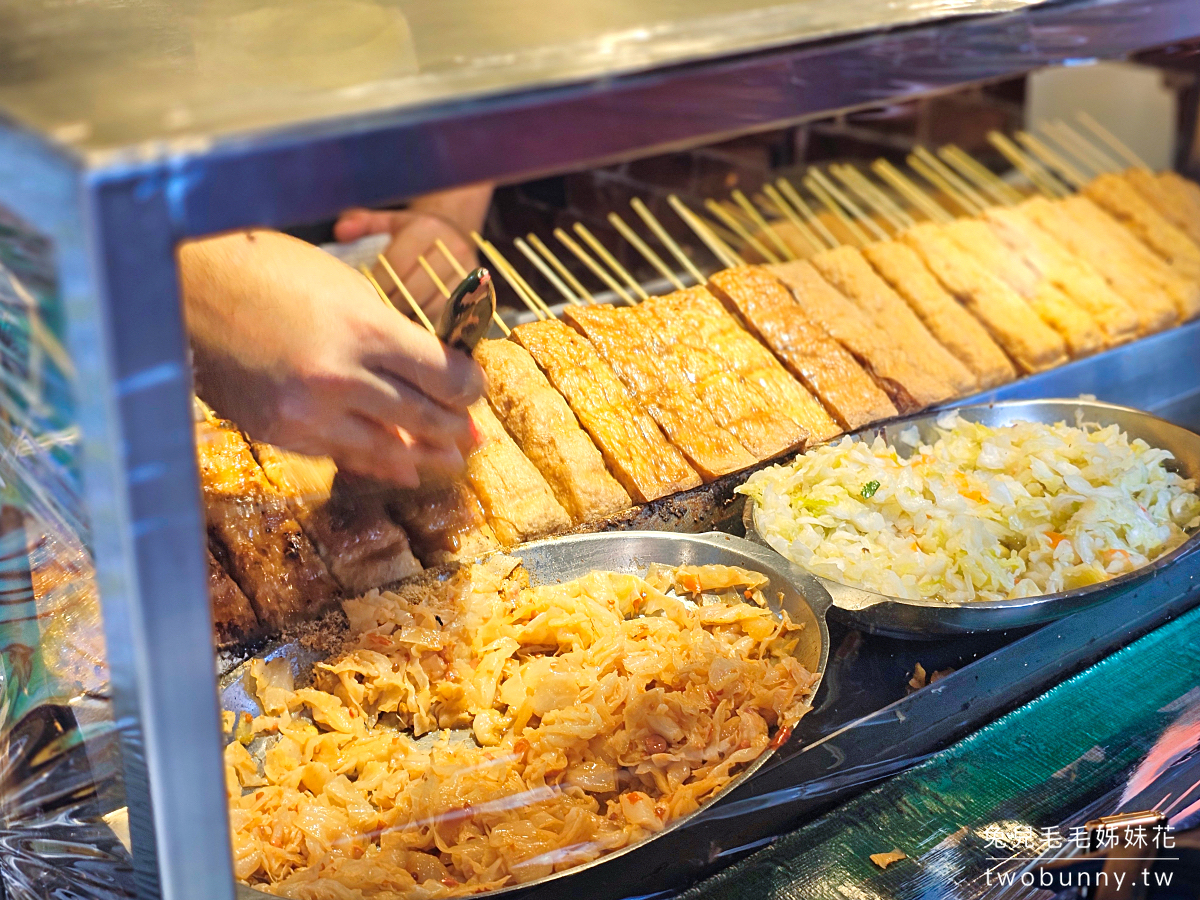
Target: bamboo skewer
(462,273)
(433,276)
(719,249)
(763,225)
(667,241)
(643,248)
(600,250)
(786,208)
(871,194)
(910,192)
(855,211)
(1100,160)
(514,282)
(1047,157)
(983,177)
(1030,168)
(375,284)
(935,178)
(515,272)
(584,257)
(961,186)
(734,225)
(413,304)
(547,273)
(806,211)
(566,274)
(830,204)
(1119,147)
(1066,142)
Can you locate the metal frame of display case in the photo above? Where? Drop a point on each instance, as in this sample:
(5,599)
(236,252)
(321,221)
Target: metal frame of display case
(116,219)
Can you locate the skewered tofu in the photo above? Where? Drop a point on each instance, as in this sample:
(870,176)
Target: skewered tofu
(1070,273)
(1031,343)
(1155,307)
(1122,201)
(910,386)
(546,430)
(1077,329)
(736,402)
(233,617)
(269,557)
(956,329)
(517,501)
(848,270)
(637,454)
(445,521)
(357,540)
(621,338)
(1169,193)
(824,366)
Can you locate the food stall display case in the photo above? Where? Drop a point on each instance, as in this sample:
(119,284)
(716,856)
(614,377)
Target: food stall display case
(127,128)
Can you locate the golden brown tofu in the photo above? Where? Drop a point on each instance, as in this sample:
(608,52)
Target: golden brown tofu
(1031,343)
(1122,201)
(637,454)
(823,365)
(516,499)
(660,388)
(445,521)
(1164,193)
(269,556)
(947,320)
(546,430)
(1072,274)
(358,541)
(234,620)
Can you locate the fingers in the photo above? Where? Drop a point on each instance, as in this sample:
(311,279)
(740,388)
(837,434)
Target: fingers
(356,223)
(394,403)
(404,350)
(364,447)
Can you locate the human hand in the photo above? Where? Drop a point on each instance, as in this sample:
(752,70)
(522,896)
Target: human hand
(297,349)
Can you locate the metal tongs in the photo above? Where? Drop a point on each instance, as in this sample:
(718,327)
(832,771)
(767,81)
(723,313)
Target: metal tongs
(468,313)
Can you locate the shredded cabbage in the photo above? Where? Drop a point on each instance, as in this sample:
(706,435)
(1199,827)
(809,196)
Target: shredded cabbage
(982,514)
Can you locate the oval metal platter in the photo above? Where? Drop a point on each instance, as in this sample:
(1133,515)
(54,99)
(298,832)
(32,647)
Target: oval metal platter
(931,619)
(790,589)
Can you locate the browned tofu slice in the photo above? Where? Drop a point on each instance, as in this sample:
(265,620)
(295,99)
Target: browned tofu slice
(1123,202)
(444,520)
(1178,198)
(848,270)
(233,617)
(823,365)
(637,454)
(270,558)
(620,337)
(1031,343)
(947,320)
(361,545)
(546,430)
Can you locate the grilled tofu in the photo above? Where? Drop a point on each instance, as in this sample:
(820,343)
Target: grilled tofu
(955,328)
(1123,202)
(357,540)
(743,385)
(1175,197)
(910,386)
(269,556)
(824,366)
(1031,343)
(1072,274)
(542,424)
(444,520)
(622,338)
(517,501)
(848,270)
(234,620)
(634,448)
(1078,330)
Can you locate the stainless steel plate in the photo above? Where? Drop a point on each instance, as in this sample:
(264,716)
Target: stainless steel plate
(790,589)
(928,619)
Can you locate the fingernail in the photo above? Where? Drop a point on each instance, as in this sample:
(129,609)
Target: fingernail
(476,437)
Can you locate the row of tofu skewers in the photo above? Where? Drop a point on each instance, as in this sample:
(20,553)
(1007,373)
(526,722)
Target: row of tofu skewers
(612,406)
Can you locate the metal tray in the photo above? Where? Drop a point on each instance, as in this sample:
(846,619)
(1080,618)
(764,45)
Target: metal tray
(790,589)
(931,619)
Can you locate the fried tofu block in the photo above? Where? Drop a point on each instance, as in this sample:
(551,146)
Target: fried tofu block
(634,448)
(622,339)
(823,365)
(1123,202)
(725,336)
(548,433)
(445,521)
(1154,305)
(269,556)
(848,270)
(910,387)
(358,541)
(1070,273)
(516,498)
(1031,343)
(1174,196)
(1077,329)
(233,617)
(955,328)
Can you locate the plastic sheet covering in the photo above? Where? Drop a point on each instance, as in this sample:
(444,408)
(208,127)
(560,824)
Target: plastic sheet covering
(59,764)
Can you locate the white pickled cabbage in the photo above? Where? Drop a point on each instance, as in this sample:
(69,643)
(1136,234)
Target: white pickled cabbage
(982,514)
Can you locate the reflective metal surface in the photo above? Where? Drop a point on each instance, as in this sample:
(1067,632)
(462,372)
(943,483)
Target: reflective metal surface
(790,590)
(897,617)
